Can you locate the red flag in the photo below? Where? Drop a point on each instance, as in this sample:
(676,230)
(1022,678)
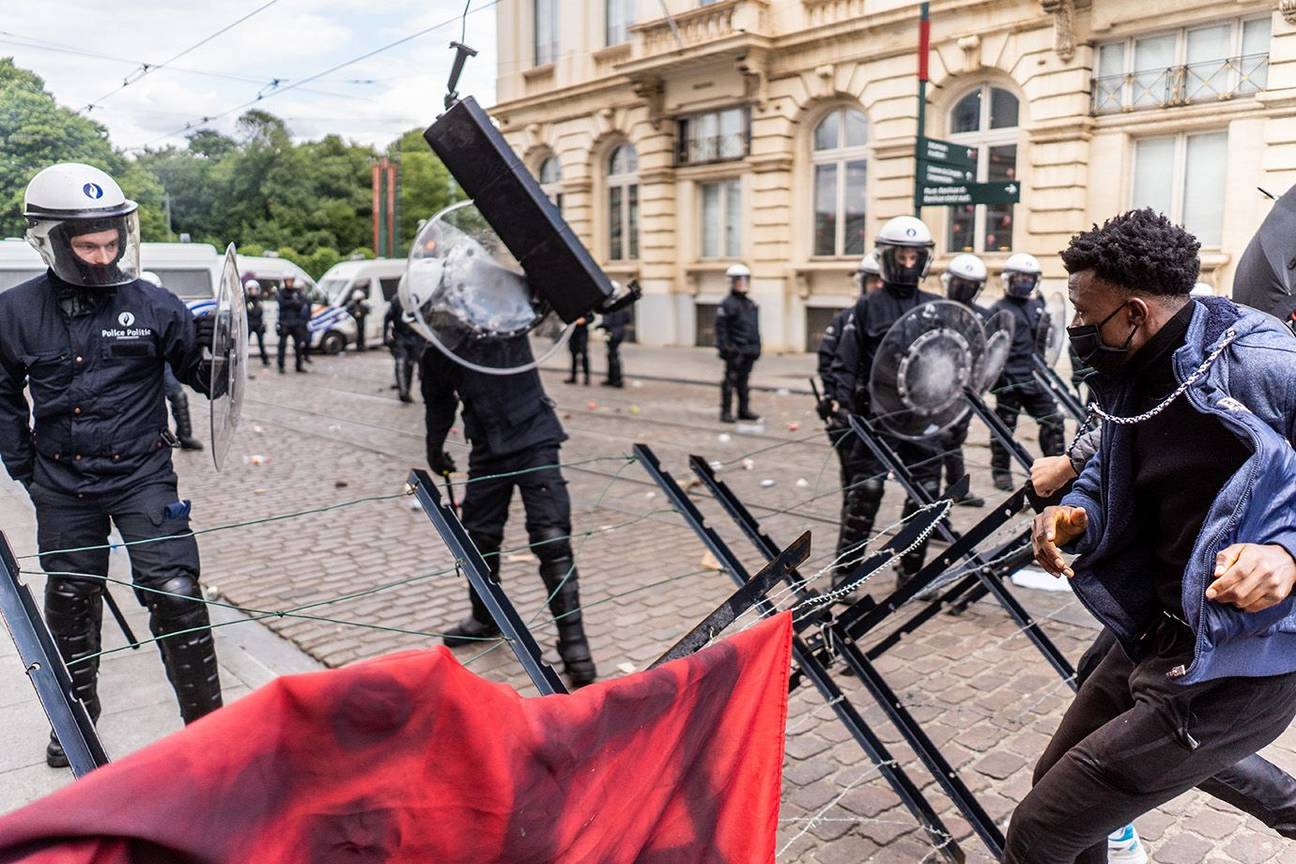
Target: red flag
(412,758)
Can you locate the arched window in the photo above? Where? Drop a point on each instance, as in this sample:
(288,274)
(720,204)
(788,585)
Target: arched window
(840,159)
(623,203)
(985,118)
(551,181)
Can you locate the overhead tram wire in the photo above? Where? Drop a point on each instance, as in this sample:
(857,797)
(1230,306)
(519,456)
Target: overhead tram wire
(146,69)
(296,84)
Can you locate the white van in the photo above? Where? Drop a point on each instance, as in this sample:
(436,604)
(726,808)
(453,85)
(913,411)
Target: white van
(331,328)
(188,270)
(377,277)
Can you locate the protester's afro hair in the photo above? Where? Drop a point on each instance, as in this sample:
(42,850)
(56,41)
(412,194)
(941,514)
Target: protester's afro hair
(1140,250)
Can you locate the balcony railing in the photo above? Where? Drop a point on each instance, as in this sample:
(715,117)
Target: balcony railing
(714,148)
(698,26)
(1192,83)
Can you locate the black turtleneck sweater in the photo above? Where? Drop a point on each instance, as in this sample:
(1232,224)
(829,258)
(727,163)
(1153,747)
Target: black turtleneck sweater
(1182,458)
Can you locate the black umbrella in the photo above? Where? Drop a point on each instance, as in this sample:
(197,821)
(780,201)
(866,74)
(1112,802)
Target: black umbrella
(1266,273)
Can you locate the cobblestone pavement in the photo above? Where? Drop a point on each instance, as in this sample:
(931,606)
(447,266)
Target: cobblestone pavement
(978,686)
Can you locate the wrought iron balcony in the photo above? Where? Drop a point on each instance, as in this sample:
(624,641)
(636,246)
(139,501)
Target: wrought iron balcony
(1191,83)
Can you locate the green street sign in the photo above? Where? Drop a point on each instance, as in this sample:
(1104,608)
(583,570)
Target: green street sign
(942,195)
(936,150)
(942,174)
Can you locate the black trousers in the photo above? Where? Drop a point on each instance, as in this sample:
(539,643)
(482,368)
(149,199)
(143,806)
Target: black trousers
(259,333)
(736,373)
(1134,739)
(578,345)
(485,507)
(360,333)
(301,344)
(405,353)
(1010,399)
(614,361)
(74,603)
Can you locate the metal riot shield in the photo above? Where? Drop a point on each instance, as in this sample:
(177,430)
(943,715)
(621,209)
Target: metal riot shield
(998,342)
(229,359)
(1053,336)
(921,367)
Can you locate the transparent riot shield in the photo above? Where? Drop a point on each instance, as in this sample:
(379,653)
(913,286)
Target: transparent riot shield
(229,359)
(998,342)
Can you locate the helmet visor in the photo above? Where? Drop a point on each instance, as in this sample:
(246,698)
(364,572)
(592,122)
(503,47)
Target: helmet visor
(903,265)
(1020,284)
(962,290)
(92,253)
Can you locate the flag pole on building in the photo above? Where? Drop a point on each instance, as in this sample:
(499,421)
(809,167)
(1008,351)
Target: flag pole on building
(924,48)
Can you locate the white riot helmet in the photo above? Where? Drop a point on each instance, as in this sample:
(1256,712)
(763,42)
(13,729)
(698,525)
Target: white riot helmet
(1021,275)
(152,278)
(358,295)
(252,287)
(82,224)
(900,268)
(739,275)
(964,278)
(868,267)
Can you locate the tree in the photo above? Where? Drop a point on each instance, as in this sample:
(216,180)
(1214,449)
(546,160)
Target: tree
(426,187)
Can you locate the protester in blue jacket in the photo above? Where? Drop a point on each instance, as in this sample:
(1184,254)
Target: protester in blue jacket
(1185,524)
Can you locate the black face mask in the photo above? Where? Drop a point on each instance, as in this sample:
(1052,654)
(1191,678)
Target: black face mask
(1086,339)
(962,290)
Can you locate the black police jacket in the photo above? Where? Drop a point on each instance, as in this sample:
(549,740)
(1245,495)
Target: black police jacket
(1029,315)
(737,327)
(865,327)
(255,315)
(294,309)
(400,329)
(615,324)
(502,414)
(828,349)
(96,383)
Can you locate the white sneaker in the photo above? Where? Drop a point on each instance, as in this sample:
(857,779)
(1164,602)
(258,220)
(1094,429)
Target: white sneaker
(1124,847)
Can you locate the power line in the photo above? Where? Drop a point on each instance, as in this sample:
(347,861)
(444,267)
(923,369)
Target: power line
(146,68)
(294,85)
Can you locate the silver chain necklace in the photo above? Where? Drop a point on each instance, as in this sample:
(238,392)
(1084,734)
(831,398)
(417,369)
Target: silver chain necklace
(1095,411)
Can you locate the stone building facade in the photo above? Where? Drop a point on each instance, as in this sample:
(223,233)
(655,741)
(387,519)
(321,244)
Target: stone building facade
(781,133)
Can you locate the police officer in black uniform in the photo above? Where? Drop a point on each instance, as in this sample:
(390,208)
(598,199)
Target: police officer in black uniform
(294,316)
(256,317)
(91,341)
(868,278)
(358,309)
(963,280)
(407,346)
(737,336)
(578,345)
(614,324)
(1017,388)
(512,427)
(904,253)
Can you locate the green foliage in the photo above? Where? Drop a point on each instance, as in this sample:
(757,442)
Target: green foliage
(257,188)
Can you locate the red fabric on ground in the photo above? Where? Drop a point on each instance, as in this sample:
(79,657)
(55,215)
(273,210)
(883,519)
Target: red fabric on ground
(412,758)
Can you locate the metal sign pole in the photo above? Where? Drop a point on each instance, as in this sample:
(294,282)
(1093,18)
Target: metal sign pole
(904,787)
(45,668)
(501,609)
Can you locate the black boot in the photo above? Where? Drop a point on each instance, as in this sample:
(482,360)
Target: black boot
(479,625)
(725,416)
(74,614)
(1003,482)
(969,500)
(54,755)
(744,414)
(561,581)
(189,659)
(184,425)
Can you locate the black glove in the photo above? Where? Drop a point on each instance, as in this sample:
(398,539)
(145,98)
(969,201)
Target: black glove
(278,329)
(441,462)
(825,408)
(205,330)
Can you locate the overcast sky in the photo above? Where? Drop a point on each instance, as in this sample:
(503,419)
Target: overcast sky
(84,50)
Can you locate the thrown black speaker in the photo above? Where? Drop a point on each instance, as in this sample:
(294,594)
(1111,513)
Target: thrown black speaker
(557,265)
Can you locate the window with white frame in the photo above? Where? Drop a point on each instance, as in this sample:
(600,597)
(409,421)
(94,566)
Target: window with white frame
(545,19)
(618,16)
(1183,177)
(623,203)
(986,119)
(722,219)
(550,176)
(839,157)
(1194,64)
(715,136)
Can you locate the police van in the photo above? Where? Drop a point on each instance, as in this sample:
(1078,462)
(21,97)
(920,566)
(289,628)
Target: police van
(191,271)
(378,278)
(331,329)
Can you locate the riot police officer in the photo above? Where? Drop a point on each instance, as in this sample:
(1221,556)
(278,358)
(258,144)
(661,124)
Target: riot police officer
(91,341)
(737,336)
(358,309)
(578,345)
(963,281)
(407,346)
(904,253)
(175,390)
(1017,388)
(294,318)
(614,326)
(256,317)
(867,279)
(515,437)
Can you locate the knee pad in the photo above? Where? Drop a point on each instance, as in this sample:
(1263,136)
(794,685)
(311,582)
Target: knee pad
(181,604)
(552,545)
